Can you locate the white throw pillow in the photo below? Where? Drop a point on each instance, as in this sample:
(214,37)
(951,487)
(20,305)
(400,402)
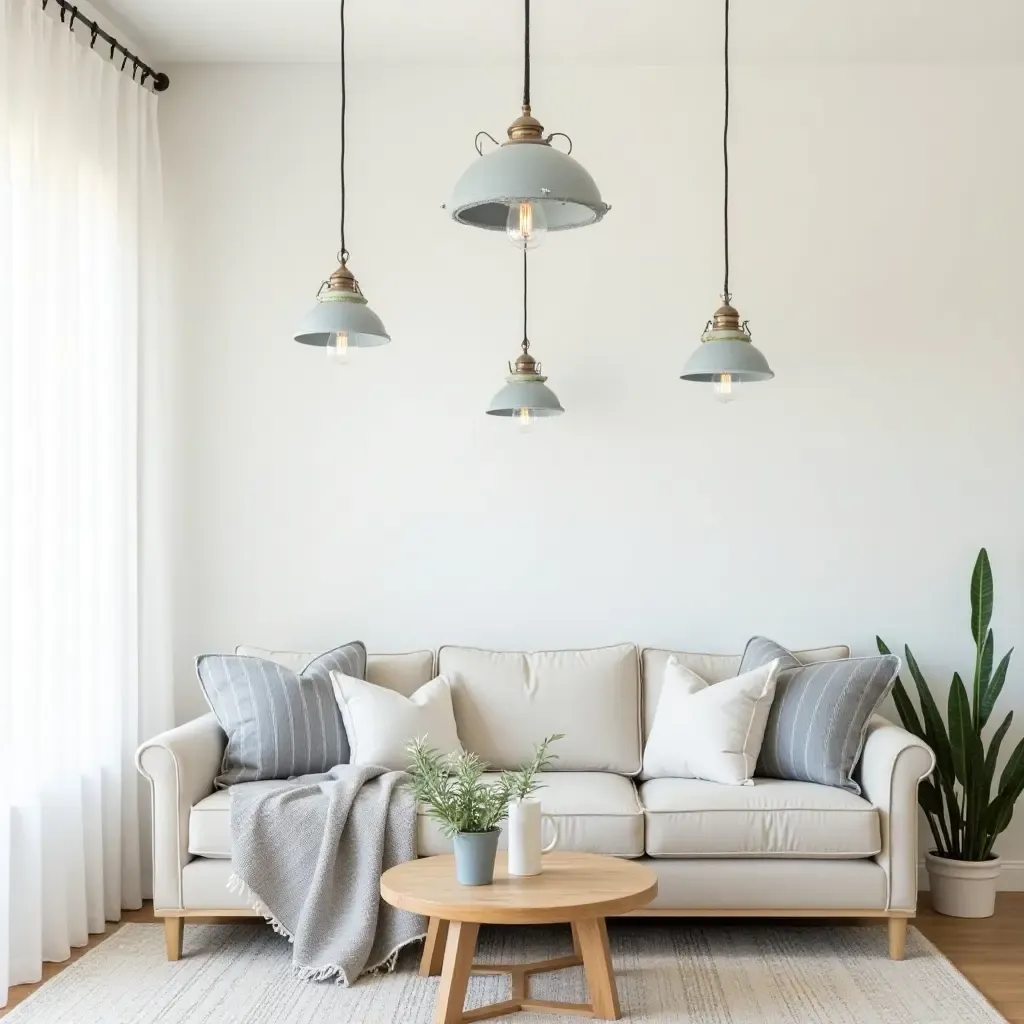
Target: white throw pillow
(381,723)
(711,732)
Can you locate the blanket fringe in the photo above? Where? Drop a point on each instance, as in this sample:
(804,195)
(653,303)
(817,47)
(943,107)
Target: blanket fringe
(239,887)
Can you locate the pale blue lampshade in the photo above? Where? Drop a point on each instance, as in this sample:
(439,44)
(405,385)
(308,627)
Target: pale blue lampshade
(525,391)
(740,359)
(531,395)
(526,167)
(341,308)
(726,348)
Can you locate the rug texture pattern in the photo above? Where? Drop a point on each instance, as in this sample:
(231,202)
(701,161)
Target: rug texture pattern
(668,972)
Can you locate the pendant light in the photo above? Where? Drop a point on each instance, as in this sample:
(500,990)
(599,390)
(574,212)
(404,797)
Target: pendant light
(341,319)
(526,187)
(726,357)
(525,396)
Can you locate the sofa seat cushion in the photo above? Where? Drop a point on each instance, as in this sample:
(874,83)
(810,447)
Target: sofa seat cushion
(772,818)
(595,812)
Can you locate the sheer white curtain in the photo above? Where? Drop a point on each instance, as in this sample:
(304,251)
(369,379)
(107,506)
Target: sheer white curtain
(83,601)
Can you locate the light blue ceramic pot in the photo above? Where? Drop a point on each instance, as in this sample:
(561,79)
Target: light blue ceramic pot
(474,856)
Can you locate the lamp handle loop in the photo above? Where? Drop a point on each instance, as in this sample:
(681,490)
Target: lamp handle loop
(476,142)
(555,135)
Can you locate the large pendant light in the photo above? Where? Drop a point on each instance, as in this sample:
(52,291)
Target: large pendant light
(341,319)
(726,357)
(525,395)
(526,187)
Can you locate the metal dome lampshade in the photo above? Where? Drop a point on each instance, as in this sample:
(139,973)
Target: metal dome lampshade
(526,187)
(341,319)
(726,357)
(341,309)
(525,396)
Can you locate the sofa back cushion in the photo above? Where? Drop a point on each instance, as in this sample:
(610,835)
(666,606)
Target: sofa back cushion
(405,673)
(711,667)
(506,702)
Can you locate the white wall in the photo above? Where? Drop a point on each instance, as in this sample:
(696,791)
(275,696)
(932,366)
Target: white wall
(876,250)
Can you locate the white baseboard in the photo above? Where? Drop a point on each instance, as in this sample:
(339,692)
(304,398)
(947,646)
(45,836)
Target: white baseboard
(1011,878)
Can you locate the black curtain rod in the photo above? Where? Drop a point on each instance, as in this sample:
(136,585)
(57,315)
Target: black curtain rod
(160,80)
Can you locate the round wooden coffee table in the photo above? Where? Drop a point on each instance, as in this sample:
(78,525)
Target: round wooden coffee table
(580,889)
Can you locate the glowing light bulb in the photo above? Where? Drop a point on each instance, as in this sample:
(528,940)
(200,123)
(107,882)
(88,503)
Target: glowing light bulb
(724,388)
(525,418)
(337,348)
(526,225)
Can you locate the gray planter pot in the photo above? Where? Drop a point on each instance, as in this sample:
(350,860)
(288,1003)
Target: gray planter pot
(963,888)
(474,856)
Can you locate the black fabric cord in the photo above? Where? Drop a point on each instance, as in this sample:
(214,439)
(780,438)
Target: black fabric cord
(344,94)
(526,59)
(526,341)
(725,155)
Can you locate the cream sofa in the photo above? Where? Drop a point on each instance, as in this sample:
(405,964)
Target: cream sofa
(774,849)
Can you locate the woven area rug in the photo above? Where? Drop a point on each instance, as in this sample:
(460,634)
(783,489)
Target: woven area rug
(670,972)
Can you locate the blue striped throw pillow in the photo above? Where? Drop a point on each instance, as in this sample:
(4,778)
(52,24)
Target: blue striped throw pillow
(279,723)
(819,718)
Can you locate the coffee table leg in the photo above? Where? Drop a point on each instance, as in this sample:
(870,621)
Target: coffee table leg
(458,959)
(433,948)
(597,963)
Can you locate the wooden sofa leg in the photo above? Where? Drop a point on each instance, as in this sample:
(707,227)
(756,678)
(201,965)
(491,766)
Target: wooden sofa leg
(174,931)
(897,937)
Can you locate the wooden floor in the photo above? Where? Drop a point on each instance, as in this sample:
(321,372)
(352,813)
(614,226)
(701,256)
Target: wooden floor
(989,952)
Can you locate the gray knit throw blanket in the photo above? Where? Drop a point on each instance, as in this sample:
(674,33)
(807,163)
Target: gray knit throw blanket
(308,855)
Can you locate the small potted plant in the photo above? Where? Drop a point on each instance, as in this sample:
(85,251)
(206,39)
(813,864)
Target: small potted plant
(964,816)
(469,808)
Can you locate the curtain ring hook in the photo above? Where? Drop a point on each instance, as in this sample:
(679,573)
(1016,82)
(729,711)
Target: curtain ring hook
(94,33)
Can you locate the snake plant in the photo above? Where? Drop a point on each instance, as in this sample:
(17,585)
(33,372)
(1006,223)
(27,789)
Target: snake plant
(964,816)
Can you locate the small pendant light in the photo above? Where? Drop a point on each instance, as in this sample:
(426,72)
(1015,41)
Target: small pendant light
(526,187)
(726,357)
(525,396)
(341,319)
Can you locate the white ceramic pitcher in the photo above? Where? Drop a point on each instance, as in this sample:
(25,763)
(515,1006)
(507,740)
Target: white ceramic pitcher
(525,822)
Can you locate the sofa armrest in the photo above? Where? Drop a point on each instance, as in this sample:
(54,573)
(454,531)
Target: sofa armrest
(181,765)
(892,765)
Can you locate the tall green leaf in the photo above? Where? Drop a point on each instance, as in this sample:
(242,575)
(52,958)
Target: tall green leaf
(961,730)
(987,657)
(935,730)
(938,740)
(1011,785)
(904,705)
(1013,770)
(930,800)
(993,753)
(907,712)
(981,597)
(995,685)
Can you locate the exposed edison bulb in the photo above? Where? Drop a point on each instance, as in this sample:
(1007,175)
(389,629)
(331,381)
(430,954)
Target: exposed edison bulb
(724,388)
(524,419)
(526,225)
(337,348)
